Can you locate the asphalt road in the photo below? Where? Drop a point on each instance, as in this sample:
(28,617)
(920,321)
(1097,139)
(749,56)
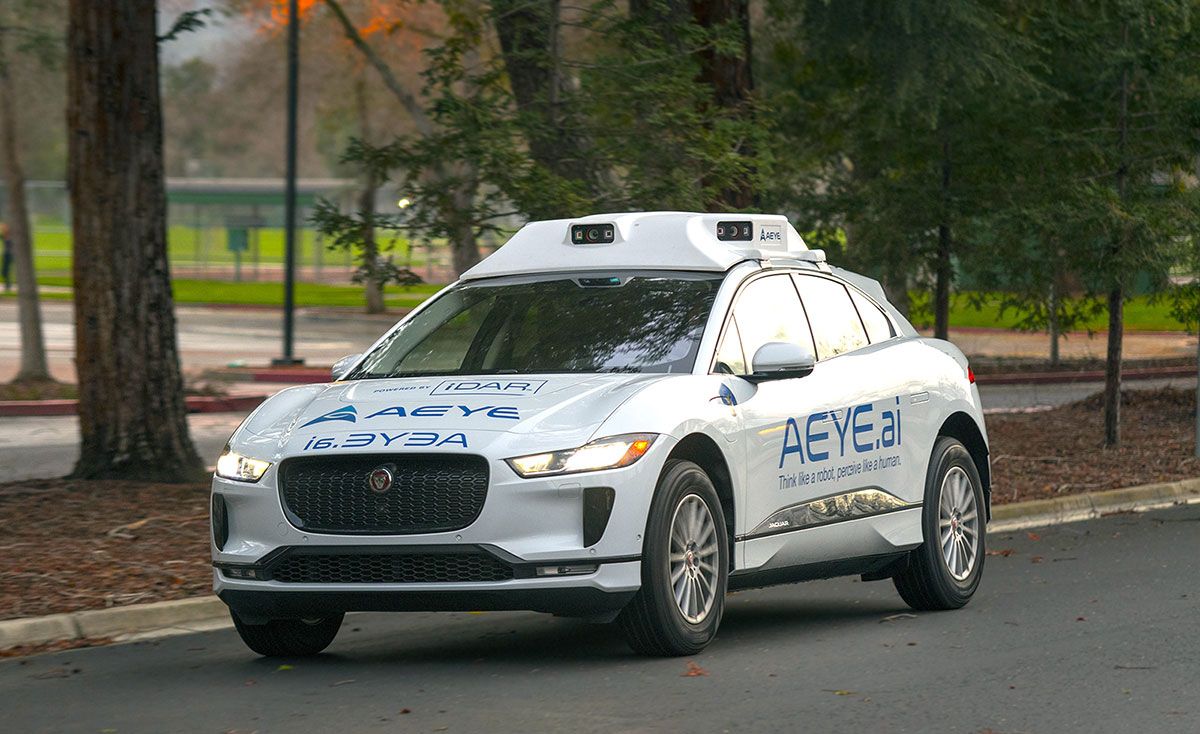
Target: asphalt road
(1090,627)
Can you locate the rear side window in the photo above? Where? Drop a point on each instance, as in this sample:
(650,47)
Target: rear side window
(836,327)
(768,310)
(879,326)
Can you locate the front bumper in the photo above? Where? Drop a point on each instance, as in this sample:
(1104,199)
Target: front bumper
(606,590)
(532,525)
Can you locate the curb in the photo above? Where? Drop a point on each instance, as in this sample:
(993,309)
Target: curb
(1089,506)
(139,621)
(1045,378)
(118,621)
(195,404)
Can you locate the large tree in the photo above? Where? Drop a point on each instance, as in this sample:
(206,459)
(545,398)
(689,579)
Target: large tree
(132,417)
(895,104)
(1125,73)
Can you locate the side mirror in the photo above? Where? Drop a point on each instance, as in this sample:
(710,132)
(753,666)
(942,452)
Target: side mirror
(342,366)
(781,360)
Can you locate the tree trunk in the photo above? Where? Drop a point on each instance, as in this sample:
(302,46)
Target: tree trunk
(1112,368)
(370,246)
(530,44)
(1052,318)
(731,79)
(464,246)
(944,267)
(33,346)
(1116,295)
(132,418)
(1196,448)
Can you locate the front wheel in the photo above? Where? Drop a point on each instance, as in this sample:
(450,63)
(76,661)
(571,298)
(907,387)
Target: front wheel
(288,637)
(944,572)
(685,567)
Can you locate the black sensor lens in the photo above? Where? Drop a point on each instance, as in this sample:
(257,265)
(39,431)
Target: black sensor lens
(735,231)
(592,234)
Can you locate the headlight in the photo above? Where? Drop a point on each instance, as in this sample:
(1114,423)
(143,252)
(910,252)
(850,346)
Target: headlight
(240,468)
(603,453)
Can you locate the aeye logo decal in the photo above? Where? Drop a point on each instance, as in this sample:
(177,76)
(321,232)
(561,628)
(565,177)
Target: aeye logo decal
(386,440)
(346,413)
(864,439)
(854,429)
(488,387)
(350,415)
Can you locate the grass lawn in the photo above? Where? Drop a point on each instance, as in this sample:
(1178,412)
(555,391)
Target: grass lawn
(1140,315)
(191,246)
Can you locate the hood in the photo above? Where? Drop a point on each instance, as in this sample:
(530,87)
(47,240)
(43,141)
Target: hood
(529,412)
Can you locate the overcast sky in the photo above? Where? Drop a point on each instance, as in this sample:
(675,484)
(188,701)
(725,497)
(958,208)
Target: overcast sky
(209,43)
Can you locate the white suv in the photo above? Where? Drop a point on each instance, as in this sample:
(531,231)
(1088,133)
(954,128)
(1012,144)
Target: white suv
(617,417)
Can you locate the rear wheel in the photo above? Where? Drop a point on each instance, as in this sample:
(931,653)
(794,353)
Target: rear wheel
(685,567)
(288,637)
(945,571)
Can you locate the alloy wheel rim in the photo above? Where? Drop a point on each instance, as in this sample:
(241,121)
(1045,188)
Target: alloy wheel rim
(958,524)
(693,559)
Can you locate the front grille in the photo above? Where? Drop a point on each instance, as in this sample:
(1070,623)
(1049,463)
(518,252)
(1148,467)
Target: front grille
(429,493)
(390,568)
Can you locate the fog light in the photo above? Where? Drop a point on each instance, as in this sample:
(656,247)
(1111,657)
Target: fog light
(567,570)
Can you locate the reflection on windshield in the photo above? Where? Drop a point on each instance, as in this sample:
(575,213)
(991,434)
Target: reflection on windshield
(627,324)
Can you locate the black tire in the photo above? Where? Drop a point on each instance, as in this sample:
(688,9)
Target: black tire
(927,584)
(653,623)
(288,637)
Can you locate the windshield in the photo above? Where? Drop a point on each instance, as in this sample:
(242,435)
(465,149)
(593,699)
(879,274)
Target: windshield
(585,323)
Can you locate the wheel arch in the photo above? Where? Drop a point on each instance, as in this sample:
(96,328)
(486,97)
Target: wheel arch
(702,450)
(962,426)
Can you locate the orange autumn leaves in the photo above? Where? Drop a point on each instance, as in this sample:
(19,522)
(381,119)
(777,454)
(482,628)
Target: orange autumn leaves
(380,16)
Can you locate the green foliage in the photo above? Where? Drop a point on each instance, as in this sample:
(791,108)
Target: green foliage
(895,105)
(614,120)
(1002,121)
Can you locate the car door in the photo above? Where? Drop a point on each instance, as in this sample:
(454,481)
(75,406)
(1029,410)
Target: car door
(852,336)
(790,442)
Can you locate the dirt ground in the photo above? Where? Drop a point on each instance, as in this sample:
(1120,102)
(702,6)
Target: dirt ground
(1060,451)
(70,545)
(73,545)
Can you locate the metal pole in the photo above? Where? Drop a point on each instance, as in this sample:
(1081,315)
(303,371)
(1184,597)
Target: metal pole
(289,203)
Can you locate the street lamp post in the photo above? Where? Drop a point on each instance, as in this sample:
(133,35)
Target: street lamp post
(289,203)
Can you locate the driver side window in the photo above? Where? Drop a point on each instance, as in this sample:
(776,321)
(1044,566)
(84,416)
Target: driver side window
(767,310)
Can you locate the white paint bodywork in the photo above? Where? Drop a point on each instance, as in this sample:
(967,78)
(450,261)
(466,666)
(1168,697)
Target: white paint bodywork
(537,519)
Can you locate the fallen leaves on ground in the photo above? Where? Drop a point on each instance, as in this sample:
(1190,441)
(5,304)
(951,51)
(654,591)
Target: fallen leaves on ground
(693,670)
(896,617)
(24,650)
(58,554)
(1005,552)
(1061,451)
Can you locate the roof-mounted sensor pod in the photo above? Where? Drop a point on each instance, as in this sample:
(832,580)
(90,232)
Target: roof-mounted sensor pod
(592,234)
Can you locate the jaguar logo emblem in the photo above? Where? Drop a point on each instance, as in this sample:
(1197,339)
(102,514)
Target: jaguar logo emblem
(380,479)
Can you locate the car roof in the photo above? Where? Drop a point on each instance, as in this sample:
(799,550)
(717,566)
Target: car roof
(645,241)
